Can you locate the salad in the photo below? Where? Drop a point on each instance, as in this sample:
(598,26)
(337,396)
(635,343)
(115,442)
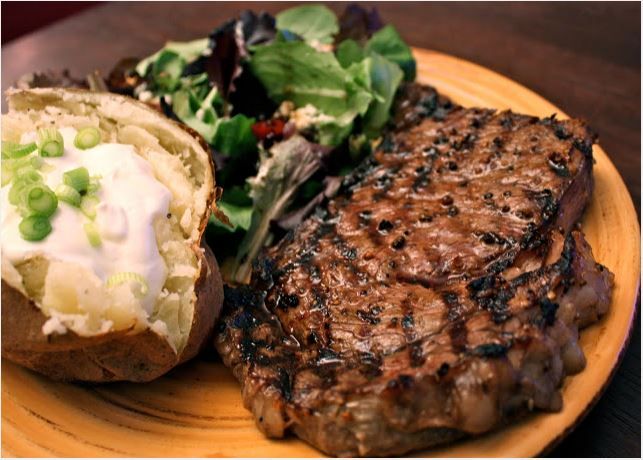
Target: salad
(288,104)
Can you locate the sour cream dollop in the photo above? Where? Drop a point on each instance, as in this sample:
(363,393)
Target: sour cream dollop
(131,198)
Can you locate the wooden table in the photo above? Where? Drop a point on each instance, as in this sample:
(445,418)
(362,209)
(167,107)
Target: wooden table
(585,58)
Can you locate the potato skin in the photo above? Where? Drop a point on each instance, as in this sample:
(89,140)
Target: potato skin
(110,357)
(122,355)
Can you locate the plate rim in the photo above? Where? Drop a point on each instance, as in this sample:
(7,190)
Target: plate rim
(625,342)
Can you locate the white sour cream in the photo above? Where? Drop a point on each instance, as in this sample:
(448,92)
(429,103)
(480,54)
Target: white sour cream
(130,200)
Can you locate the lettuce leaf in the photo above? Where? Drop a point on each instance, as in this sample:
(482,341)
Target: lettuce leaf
(313,23)
(186,51)
(388,43)
(198,115)
(234,136)
(296,72)
(349,52)
(289,164)
(240,217)
(385,77)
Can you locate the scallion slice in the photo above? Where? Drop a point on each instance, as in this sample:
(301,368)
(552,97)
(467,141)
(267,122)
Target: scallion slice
(50,142)
(77,178)
(88,206)
(125,277)
(87,138)
(7,173)
(91,230)
(23,179)
(15,150)
(68,194)
(14,164)
(34,228)
(94,184)
(41,201)
(37,162)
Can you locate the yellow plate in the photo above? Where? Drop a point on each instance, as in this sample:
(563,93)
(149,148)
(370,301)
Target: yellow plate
(197,411)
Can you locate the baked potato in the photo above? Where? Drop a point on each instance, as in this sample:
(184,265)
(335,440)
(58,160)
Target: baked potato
(115,290)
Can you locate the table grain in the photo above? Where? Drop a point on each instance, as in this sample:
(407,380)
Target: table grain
(583,57)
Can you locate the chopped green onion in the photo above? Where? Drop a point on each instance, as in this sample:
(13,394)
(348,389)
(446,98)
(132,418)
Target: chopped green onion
(91,230)
(16,192)
(94,184)
(41,201)
(17,163)
(124,277)
(88,206)
(23,180)
(7,173)
(68,194)
(77,178)
(50,142)
(87,138)
(37,162)
(15,150)
(28,174)
(34,228)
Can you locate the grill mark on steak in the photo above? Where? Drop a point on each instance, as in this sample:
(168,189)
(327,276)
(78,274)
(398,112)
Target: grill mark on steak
(442,323)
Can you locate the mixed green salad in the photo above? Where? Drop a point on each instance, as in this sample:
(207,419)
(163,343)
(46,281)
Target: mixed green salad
(288,105)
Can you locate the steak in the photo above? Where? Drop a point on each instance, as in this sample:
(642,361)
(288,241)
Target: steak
(438,295)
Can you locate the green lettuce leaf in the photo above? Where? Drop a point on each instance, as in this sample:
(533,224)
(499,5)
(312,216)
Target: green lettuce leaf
(313,23)
(289,164)
(296,72)
(187,51)
(240,217)
(234,136)
(388,43)
(198,115)
(349,52)
(166,71)
(385,77)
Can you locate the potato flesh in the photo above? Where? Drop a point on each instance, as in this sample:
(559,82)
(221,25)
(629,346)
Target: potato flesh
(73,295)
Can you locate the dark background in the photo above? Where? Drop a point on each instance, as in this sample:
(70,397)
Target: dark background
(583,57)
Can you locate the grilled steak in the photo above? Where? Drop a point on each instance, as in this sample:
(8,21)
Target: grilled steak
(438,295)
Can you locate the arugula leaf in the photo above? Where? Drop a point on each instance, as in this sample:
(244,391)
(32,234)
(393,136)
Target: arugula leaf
(234,136)
(314,23)
(388,43)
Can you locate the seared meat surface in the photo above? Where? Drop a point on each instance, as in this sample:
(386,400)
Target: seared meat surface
(438,295)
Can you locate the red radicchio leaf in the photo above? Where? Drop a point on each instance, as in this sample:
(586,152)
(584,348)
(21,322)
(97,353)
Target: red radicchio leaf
(358,24)
(229,46)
